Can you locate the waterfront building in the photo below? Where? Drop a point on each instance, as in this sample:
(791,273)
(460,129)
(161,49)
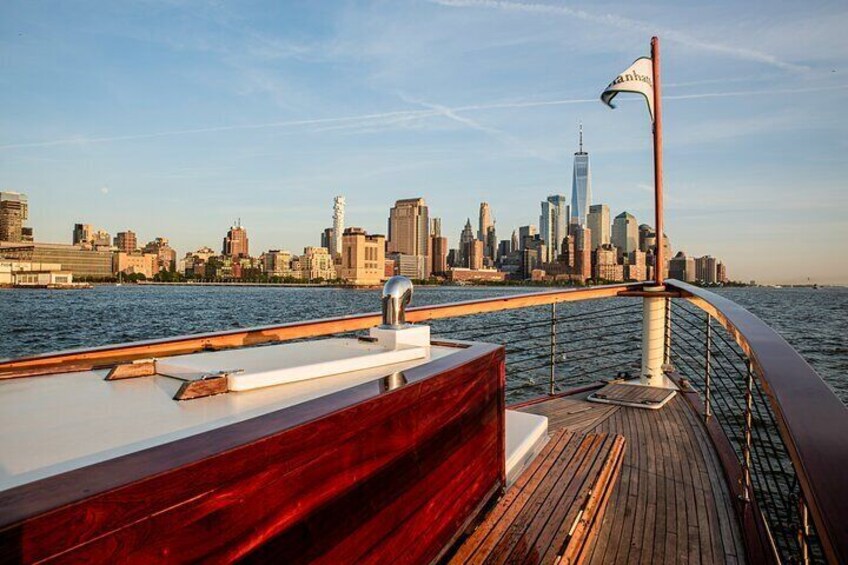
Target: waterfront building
(598,221)
(454,258)
(625,234)
(682,268)
(525,232)
(10,270)
(126,241)
(647,238)
(514,241)
(461,274)
(317,263)
(533,251)
(409,227)
(135,263)
(411,266)
(583,253)
(473,253)
(83,263)
(581,184)
(166,256)
(566,254)
(606,265)
(236,243)
(706,269)
(277,263)
(389,269)
(721,273)
(485,222)
(335,243)
(553,223)
(14,210)
(636,268)
(438,254)
(363,257)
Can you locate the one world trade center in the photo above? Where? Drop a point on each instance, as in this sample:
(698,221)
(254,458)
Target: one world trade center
(581,185)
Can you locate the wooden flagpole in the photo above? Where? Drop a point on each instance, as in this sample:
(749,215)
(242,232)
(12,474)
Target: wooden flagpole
(659,257)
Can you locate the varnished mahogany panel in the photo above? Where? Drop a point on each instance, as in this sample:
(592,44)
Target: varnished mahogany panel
(365,471)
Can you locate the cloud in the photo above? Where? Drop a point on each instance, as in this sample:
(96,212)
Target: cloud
(628,24)
(402,118)
(104,189)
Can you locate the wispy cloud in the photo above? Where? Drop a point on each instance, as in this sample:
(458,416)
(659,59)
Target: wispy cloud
(628,24)
(386,120)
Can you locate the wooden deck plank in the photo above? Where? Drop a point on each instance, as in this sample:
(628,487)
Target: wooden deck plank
(483,539)
(671,503)
(554,508)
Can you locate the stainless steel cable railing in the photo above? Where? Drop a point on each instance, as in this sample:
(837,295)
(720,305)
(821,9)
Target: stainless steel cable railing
(718,369)
(549,351)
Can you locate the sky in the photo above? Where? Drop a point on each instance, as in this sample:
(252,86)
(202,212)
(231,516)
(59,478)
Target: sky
(175,119)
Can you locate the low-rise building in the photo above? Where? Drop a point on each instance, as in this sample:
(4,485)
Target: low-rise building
(43,278)
(136,263)
(83,263)
(277,263)
(317,263)
(411,266)
(166,256)
(459,274)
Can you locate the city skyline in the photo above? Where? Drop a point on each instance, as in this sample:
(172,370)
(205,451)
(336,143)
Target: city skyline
(249,115)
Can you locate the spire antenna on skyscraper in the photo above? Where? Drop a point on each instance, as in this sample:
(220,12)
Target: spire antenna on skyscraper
(581,137)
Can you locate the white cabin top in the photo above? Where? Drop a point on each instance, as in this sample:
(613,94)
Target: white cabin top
(52,424)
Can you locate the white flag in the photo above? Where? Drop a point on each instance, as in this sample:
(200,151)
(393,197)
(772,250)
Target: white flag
(637,78)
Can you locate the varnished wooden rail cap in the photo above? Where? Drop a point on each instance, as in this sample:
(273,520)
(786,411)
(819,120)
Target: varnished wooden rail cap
(658,294)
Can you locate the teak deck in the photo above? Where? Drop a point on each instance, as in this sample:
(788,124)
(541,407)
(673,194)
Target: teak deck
(671,504)
(554,509)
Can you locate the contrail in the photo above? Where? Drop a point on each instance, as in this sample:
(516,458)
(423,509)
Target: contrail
(628,24)
(400,116)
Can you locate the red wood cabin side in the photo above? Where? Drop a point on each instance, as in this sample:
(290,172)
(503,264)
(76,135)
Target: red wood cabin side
(390,475)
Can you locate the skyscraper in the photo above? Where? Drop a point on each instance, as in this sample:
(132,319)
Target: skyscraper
(14,209)
(625,234)
(581,184)
(553,224)
(525,233)
(466,236)
(236,242)
(409,227)
(490,248)
(338,225)
(436,227)
(598,221)
(583,242)
(485,221)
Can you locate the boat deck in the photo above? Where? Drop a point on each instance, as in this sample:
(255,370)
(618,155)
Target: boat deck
(671,503)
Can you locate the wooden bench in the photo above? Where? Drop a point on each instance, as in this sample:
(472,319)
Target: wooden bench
(554,510)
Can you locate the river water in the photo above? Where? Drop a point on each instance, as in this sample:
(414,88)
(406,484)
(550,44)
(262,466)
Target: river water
(814,322)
